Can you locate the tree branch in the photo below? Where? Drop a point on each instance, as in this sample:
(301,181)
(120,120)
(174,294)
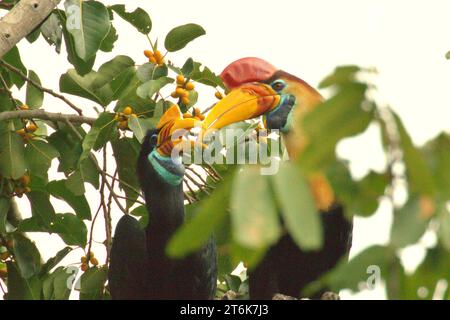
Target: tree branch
(39,87)
(44,115)
(21,20)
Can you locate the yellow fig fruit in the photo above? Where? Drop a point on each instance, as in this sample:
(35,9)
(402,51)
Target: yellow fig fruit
(94,261)
(185,100)
(190,86)
(180,79)
(24,107)
(218,95)
(84,267)
(31,127)
(148,53)
(128,110)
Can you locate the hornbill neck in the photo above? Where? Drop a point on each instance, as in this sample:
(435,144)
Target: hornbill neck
(161,181)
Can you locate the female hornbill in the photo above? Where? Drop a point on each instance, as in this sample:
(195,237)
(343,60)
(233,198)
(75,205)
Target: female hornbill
(139,267)
(258,88)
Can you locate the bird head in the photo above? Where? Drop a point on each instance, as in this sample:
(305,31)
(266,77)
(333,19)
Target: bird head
(255,88)
(159,144)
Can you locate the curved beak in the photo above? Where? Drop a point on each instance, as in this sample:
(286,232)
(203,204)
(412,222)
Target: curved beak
(242,103)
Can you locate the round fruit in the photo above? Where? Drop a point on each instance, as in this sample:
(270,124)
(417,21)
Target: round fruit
(197,111)
(174,94)
(153,60)
(4,255)
(31,127)
(148,53)
(21,132)
(185,100)
(180,79)
(84,267)
(218,95)
(128,110)
(83,259)
(187,115)
(190,86)
(94,261)
(91,255)
(24,107)
(180,91)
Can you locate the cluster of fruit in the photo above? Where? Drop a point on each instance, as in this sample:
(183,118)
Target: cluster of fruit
(182,90)
(122,117)
(85,260)
(27,133)
(155,57)
(21,185)
(196,114)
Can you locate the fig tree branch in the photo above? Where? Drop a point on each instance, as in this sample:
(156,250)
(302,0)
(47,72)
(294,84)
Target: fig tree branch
(39,87)
(45,115)
(23,18)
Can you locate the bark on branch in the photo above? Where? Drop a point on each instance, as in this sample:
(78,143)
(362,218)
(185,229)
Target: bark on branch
(44,115)
(21,20)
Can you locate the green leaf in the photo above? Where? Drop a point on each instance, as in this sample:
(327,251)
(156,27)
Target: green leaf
(206,76)
(55,285)
(59,190)
(254,217)
(88,22)
(349,275)
(41,207)
(54,261)
(108,43)
(12,159)
(126,152)
(5,204)
(149,88)
(342,75)
(27,256)
(409,224)
(180,36)
(419,176)
(444,226)
(208,215)
(71,229)
(141,212)
(149,71)
(82,86)
(81,66)
(437,156)
(34,96)
(20,288)
(101,132)
(92,283)
(39,155)
(52,31)
(344,114)
(297,207)
(68,146)
(130,98)
(114,76)
(188,67)
(140,126)
(12,57)
(138,18)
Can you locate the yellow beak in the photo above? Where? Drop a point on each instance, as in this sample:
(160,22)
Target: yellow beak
(245,102)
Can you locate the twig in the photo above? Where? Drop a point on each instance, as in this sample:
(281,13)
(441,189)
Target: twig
(99,169)
(39,87)
(200,186)
(127,198)
(1,286)
(92,229)
(44,115)
(186,181)
(124,183)
(5,85)
(107,209)
(199,176)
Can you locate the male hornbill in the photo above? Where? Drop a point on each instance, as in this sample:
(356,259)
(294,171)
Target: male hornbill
(257,88)
(139,267)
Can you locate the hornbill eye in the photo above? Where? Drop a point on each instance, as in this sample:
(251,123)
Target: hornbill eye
(154,138)
(278,85)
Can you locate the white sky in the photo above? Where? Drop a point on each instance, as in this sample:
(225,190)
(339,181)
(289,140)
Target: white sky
(405,40)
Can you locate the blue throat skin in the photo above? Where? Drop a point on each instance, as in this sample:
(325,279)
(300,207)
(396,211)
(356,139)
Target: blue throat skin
(170,171)
(281,117)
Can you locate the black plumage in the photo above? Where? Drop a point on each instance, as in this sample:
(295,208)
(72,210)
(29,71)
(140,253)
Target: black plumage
(160,276)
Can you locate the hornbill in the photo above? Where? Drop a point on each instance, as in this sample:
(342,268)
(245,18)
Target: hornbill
(258,88)
(139,267)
